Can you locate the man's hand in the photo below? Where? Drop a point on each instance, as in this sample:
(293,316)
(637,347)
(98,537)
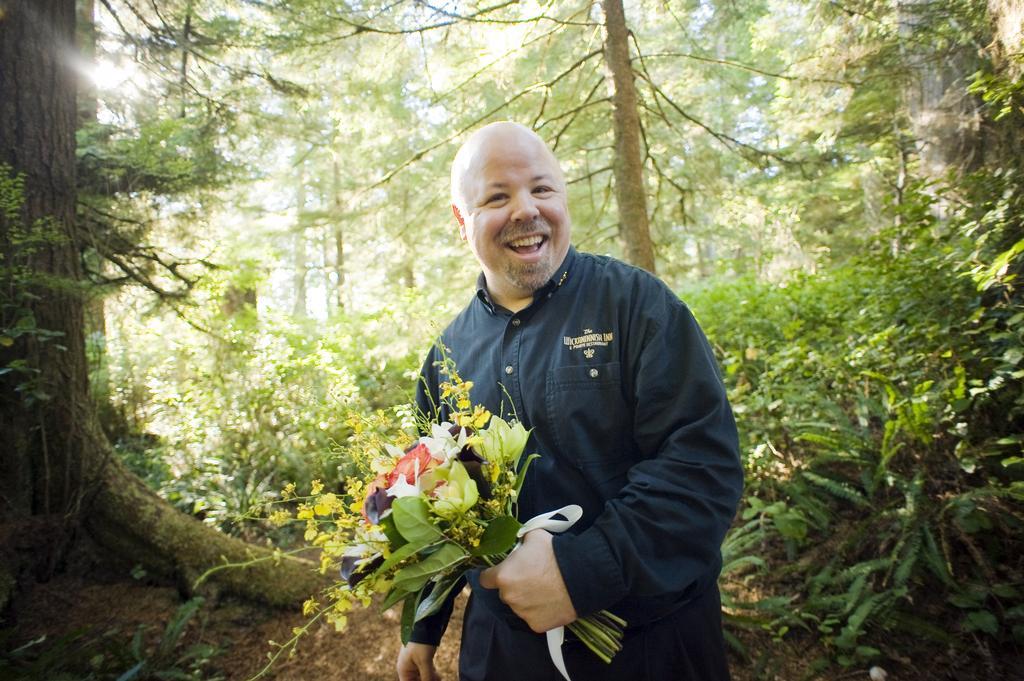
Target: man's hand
(416,663)
(530,583)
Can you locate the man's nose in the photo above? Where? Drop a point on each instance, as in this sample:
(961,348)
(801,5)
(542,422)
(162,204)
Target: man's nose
(524,209)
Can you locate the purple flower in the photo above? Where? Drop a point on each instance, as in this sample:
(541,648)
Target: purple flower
(474,463)
(376,505)
(355,568)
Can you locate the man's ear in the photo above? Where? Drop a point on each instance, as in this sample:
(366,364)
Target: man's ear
(460,220)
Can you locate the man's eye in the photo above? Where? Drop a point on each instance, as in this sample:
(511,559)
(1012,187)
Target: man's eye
(495,198)
(542,190)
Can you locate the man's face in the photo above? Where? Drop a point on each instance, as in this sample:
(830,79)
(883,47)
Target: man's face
(516,219)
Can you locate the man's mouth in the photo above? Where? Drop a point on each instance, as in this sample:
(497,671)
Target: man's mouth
(527,244)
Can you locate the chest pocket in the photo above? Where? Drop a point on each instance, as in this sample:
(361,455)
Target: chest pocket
(592,422)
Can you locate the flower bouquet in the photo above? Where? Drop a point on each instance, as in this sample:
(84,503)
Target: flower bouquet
(420,516)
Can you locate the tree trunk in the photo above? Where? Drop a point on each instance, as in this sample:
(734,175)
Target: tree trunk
(339,241)
(1007,19)
(944,118)
(58,474)
(630,192)
(41,418)
(85,31)
(299,247)
(1004,141)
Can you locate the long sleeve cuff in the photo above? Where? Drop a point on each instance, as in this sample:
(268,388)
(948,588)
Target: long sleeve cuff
(589,569)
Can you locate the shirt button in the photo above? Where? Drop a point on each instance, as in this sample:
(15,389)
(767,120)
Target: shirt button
(508,369)
(516,322)
(593,373)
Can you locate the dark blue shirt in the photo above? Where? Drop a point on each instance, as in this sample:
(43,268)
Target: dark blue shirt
(628,412)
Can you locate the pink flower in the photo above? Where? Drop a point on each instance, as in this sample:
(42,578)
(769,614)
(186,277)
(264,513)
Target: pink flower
(412,465)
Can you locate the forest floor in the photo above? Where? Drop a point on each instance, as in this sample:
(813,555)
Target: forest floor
(89,621)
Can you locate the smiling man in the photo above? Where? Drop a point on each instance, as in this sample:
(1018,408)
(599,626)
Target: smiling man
(619,386)
(508,196)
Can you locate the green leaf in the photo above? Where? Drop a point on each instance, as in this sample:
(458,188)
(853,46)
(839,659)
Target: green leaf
(414,577)
(387,524)
(499,537)
(521,476)
(791,524)
(1005,591)
(397,556)
(432,603)
(982,620)
(412,520)
(409,618)
(394,595)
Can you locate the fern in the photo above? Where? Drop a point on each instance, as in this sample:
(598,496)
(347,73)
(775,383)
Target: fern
(863,568)
(837,489)
(933,559)
(906,564)
(853,594)
(856,623)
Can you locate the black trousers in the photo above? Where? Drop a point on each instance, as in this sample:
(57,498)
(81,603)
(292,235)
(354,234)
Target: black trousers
(686,645)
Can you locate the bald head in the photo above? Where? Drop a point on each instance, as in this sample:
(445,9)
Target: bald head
(491,141)
(508,196)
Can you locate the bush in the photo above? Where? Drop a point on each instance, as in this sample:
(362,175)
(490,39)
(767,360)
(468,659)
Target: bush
(879,404)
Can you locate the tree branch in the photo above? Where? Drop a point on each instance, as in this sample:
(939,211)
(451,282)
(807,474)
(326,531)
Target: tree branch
(508,102)
(472,17)
(746,67)
(589,175)
(727,141)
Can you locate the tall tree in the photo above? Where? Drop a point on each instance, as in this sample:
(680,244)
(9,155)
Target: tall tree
(58,474)
(630,191)
(299,259)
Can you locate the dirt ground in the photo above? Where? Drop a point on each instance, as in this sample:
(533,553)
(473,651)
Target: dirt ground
(116,610)
(366,651)
(240,631)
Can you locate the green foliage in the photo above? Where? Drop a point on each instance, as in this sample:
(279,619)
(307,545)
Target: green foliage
(219,421)
(1004,94)
(879,403)
(22,287)
(87,656)
(868,320)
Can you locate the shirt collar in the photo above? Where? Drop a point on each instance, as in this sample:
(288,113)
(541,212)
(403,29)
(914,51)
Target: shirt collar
(557,280)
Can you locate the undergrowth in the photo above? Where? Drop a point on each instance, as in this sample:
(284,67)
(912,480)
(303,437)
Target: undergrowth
(880,404)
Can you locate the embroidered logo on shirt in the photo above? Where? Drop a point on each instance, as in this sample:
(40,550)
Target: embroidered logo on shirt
(589,339)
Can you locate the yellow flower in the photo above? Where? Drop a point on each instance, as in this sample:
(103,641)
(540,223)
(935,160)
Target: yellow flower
(326,504)
(479,418)
(310,606)
(279,517)
(289,491)
(317,487)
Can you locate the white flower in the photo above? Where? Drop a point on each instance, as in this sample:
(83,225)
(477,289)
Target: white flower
(401,488)
(441,444)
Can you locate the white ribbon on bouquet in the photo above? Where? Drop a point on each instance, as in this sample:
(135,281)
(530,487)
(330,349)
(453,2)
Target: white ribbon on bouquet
(547,521)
